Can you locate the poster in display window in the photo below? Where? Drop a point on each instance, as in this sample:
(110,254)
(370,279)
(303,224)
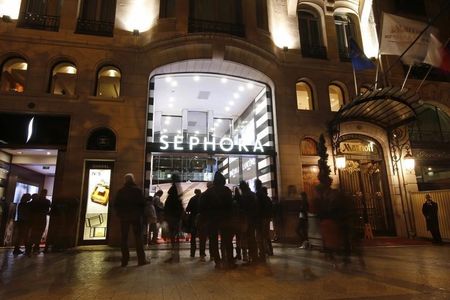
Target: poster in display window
(97,203)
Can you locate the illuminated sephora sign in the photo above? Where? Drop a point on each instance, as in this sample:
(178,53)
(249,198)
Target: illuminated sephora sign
(225,144)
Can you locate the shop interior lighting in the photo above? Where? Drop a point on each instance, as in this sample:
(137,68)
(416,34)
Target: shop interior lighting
(170,105)
(241,88)
(174,83)
(227,108)
(236,95)
(231,102)
(224,80)
(168,79)
(196,78)
(250,85)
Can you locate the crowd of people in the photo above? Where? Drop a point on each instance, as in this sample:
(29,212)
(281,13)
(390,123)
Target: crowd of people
(32,212)
(217,214)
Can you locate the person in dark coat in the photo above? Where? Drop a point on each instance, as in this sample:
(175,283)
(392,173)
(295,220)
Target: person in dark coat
(173,213)
(430,211)
(217,207)
(129,205)
(39,208)
(193,211)
(23,223)
(250,209)
(302,227)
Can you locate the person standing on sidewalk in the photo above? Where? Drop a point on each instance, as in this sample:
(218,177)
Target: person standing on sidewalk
(23,223)
(173,212)
(430,211)
(193,210)
(129,205)
(302,227)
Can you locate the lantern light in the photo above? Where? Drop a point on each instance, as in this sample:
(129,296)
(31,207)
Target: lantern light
(409,161)
(341,162)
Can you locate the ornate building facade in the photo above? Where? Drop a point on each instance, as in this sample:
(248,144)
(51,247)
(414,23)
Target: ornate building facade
(91,90)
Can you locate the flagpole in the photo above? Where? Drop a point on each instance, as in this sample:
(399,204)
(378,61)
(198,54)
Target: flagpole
(423,80)
(377,71)
(406,78)
(354,79)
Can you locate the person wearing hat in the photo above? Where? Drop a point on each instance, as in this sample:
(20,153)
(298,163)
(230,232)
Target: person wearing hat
(430,211)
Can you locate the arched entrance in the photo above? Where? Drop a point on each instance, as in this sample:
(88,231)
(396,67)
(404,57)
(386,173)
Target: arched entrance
(364,178)
(205,117)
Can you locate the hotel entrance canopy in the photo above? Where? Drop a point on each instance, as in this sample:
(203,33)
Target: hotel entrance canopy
(389,108)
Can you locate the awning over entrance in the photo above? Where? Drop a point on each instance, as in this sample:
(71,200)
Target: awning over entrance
(389,108)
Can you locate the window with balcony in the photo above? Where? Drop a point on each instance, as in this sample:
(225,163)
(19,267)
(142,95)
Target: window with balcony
(96,17)
(14,75)
(336,97)
(166,9)
(216,16)
(108,82)
(63,80)
(40,14)
(311,41)
(304,96)
(345,29)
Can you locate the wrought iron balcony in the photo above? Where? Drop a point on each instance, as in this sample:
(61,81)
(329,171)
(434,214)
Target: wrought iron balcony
(196,25)
(314,51)
(38,21)
(93,27)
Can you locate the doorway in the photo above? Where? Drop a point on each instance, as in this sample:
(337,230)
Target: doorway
(364,179)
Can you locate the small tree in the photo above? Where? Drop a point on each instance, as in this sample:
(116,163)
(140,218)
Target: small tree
(324,169)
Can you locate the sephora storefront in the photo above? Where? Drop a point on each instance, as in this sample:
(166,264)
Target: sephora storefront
(202,123)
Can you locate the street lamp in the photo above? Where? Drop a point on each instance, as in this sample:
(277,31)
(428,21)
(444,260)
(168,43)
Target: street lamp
(409,161)
(341,162)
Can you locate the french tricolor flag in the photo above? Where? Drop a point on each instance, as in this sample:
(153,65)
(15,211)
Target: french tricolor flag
(437,55)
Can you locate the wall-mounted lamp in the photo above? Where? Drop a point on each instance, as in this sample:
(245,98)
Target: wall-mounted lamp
(341,162)
(135,32)
(409,161)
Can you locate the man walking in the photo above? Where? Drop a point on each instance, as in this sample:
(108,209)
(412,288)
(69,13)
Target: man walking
(129,205)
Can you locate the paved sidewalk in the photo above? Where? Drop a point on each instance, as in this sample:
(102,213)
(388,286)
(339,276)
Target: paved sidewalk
(412,272)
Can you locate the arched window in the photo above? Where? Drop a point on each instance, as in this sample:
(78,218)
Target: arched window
(308,147)
(304,96)
(14,74)
(336,97)
(311,41)
(101,139)
(108,82)
(64,76)
(345,30)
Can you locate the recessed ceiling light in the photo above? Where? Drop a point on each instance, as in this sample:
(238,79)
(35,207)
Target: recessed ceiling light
(196,78)
(48,153)
(19,152)
(168,79)
(227,108)
(220,120)
(236,95)
(223,80)
(171,99)
(250,85)
(241,88)
(196,132)
(167,122)
(178,131)
(231,102)
(174,83)
(164,130)
(170,105)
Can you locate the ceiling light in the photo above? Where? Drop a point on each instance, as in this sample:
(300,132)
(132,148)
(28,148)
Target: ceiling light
(236,95)
(168,79)
(196,132)
(241,88)
(172,99)
(220,120)
(19,152)
(48,153)
(231,102)
(250,85)
(170,105)
(167,122)
(196,78)
(174,83)
(227,108)
(223,80)
(164,130)
(178,131)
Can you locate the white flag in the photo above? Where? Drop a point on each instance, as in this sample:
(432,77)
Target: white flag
(434,53)
(398,33)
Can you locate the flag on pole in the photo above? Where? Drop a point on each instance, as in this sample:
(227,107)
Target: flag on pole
(437,56)
(359,60)
(397,35)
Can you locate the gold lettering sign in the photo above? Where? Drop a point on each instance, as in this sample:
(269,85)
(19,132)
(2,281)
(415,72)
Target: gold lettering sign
(356,147)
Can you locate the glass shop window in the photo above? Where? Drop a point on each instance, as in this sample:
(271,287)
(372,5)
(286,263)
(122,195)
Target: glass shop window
(14,74)
(64,76)
(108,82)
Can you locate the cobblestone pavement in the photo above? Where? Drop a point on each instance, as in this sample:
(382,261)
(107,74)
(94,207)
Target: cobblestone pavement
(413,272)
